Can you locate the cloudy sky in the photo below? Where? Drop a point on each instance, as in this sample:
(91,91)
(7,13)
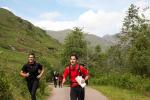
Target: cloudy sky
(99,17)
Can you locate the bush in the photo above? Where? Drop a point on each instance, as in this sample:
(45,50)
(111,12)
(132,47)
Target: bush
(5,92)
(126,81)
(147,86)
(47,68)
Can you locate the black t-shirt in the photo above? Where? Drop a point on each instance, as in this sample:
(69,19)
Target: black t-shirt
(32,69)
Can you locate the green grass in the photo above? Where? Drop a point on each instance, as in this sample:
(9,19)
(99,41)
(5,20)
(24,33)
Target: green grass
(46,93)
(114,93)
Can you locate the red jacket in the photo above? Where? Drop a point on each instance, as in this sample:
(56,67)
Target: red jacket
(74,73)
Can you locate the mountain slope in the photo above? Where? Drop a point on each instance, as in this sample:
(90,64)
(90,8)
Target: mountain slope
(59,35)
(21,34)
(105,42)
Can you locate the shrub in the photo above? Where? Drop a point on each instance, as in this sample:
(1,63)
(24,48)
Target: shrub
(5,91)
(126,81)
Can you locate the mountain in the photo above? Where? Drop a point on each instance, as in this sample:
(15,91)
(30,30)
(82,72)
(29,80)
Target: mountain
(105,41)
(59,35)
(22,35)
(17,38)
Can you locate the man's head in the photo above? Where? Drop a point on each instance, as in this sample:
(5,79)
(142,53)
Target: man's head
(73,59)
(31,57)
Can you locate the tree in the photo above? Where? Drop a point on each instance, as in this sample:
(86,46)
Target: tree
(131,20)
(139,57)
(116,59)
(97,49)
(97,61)
(131,25)
(74,42)
(135,41)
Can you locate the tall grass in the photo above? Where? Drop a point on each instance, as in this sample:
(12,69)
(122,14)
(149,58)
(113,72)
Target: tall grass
(125,81)
(5,91)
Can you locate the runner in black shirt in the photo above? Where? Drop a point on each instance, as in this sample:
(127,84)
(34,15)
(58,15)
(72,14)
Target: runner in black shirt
(32,71)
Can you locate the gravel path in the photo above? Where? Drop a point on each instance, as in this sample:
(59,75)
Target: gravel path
(64,94)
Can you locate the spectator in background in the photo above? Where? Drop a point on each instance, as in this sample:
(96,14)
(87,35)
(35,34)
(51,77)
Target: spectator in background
(60,80)
(55,78)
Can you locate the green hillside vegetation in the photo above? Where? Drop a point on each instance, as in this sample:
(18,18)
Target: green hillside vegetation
(18,37)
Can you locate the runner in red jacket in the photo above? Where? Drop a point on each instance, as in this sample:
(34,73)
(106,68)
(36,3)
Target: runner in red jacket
(74,70)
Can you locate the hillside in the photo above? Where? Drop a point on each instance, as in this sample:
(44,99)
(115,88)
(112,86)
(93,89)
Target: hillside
(94,40)
(17,38)
(20,35)
(59,35)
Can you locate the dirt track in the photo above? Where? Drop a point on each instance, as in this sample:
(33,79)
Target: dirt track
(63,94)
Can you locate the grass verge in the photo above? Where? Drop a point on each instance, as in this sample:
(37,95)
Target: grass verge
(114,93)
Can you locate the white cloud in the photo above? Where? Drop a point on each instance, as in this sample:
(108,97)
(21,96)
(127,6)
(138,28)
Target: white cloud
(55,25)
(101,22)
(51,21)
(98,23)
(50,15)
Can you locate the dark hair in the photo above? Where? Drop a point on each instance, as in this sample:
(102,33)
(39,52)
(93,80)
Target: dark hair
(31,54)
(74,54)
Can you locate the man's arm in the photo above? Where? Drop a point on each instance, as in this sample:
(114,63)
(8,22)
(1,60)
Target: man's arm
(86,73)
(23,74)
(86,78)
(63,81)
(41,73)
(66,72)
